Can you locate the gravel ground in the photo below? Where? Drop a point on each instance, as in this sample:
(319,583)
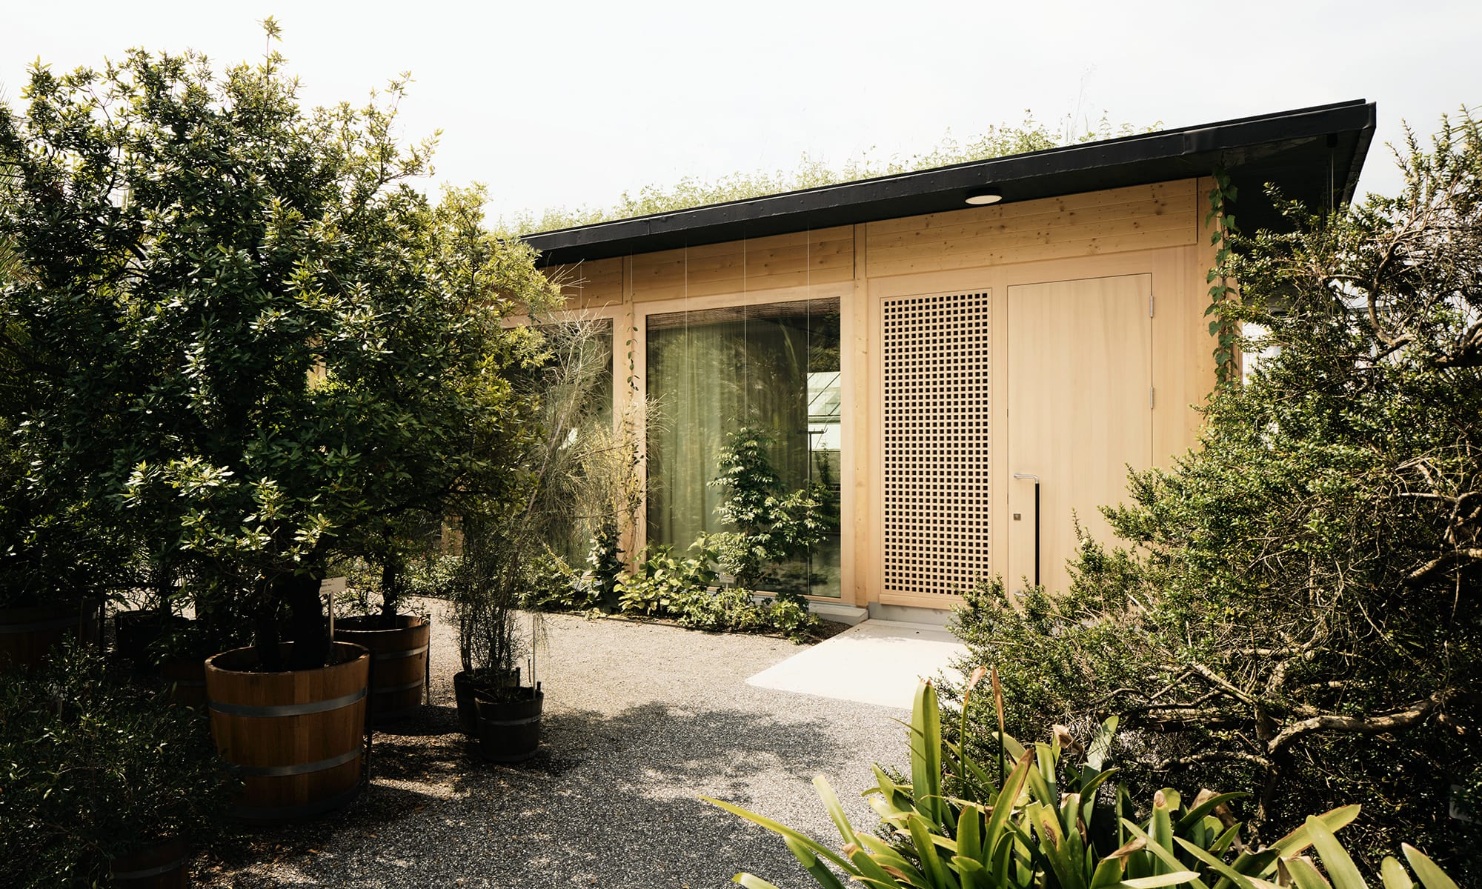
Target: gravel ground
(640,721)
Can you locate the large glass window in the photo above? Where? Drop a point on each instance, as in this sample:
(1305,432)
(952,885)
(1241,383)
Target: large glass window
(774,367)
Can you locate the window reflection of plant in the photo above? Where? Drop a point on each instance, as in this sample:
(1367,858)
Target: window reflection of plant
(772,525)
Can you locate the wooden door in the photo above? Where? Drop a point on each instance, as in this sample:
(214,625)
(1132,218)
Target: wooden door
(1080,404)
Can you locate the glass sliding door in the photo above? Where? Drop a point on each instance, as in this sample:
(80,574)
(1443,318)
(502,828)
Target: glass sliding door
(774,367)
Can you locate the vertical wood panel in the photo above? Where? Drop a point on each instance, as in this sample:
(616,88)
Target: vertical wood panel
(1080,357)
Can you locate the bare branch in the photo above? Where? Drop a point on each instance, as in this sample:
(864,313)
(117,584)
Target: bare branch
(1364,725)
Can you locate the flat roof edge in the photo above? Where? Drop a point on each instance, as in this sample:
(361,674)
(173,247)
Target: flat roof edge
(1143,157)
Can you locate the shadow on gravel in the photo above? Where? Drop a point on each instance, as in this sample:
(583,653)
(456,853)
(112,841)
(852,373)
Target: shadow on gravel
(608,801)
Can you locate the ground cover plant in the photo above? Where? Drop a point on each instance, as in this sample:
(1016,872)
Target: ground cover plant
(995,141)
(771,526)
(93,767)
(1293,609)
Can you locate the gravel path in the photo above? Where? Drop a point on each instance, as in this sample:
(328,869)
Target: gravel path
(640,721)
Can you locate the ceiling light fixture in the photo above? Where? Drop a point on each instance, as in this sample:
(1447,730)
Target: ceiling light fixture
(979,197)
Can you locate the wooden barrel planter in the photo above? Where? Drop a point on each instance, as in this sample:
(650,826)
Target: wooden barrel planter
(166,866)
(186,680)
(466,688)
(398,677)
(509,726)
(28,635)
(295,737)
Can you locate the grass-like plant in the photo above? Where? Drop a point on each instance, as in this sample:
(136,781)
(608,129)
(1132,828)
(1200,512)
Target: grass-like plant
(1051,824)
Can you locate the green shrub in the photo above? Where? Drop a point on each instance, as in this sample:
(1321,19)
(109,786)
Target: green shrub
(730,609)
(668,586)
(772,525)
(1046,823)
(664,580)
(92,768)
(556,586)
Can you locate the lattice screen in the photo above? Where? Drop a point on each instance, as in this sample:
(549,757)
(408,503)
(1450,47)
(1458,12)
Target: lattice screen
(936,443)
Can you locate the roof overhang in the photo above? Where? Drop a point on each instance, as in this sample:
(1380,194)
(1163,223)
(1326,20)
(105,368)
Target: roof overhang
(1312,155)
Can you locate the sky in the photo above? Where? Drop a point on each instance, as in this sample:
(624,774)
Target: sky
(571,104)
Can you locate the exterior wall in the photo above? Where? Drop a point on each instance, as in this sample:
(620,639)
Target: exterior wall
(1155,230)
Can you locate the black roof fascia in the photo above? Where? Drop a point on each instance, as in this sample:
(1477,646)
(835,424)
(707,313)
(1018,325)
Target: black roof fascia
(1313,155)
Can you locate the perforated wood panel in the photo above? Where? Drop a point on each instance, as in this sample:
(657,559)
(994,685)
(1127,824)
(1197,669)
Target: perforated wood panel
(936,424)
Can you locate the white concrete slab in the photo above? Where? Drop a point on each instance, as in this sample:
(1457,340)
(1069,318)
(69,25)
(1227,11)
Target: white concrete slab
(876,662)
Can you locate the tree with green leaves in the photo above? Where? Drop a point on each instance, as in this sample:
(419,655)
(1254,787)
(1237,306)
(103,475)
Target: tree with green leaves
(248,332)
(1296,606)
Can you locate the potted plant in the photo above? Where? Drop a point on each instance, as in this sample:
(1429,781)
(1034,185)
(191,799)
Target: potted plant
(494,708)
(501,547)
(288,345)
(398,641)
(103,778)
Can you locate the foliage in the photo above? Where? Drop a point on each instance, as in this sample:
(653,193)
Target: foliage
(91,769)
(771,526)
(663,580)
(556,586)
(430,575)
(1222,327)
(549,491)
(995,141)
(286,345)
(1324,542)
(1048,823)
(668,586)
(605,563)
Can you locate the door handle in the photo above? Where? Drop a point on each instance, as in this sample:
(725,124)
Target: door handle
(1025,475)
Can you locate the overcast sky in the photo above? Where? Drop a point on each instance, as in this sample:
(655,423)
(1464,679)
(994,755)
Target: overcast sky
(568,104)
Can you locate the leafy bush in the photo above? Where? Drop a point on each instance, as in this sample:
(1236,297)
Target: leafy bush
(249,336)
(92,769)
(667,586)
(556,586)
(430,576)
(664,581)
(1272,588)
(605,563)
(730,609)
(1049,823)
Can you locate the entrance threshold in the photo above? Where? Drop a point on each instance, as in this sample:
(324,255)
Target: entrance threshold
(877,662)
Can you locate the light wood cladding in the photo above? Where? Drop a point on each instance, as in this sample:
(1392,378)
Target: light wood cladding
(795,260)
(1017,252)
(590,285)
(1141,217)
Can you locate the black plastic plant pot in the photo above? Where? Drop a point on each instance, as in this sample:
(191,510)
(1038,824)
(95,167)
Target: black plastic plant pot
(509,726)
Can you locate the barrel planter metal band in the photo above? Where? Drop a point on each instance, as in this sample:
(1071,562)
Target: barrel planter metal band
(393,655)
(160,867)
(302,768)
(399,651)
(509,730)
(295,737)
(270,711)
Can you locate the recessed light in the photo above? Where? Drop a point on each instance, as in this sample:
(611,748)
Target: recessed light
(979,197)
